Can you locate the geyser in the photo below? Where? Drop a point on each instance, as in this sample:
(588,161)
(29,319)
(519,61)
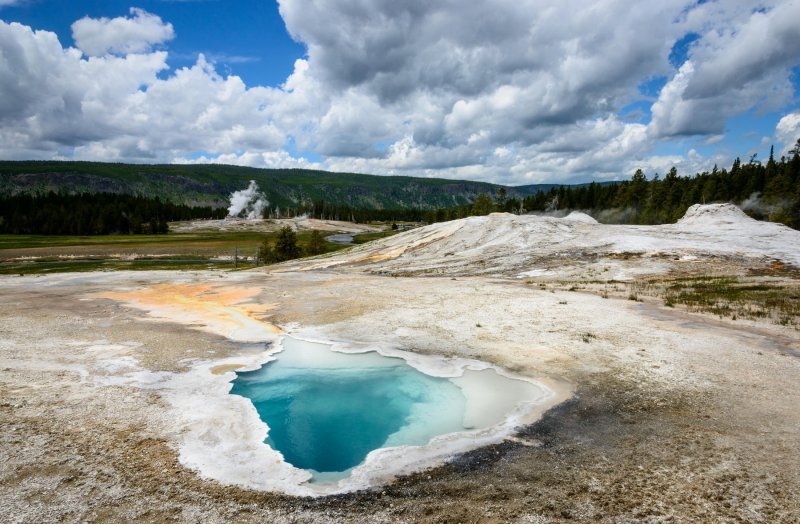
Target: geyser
(326,411)
(248,203)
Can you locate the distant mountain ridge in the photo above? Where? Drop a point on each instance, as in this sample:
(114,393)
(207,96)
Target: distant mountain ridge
(211,184)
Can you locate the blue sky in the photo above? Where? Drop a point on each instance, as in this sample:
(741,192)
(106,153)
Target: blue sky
(245,37)
(498,91)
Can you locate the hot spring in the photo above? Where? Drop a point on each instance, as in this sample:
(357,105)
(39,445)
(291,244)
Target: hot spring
(326,410)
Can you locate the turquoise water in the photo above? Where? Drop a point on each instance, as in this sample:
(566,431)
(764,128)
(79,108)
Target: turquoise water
(326,411)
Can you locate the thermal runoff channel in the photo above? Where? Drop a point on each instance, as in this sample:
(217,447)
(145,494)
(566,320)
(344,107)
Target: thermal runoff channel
(326,410)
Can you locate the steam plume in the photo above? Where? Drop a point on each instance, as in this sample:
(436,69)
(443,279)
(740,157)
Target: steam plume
(248,203)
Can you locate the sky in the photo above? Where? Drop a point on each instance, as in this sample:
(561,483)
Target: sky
(506,91)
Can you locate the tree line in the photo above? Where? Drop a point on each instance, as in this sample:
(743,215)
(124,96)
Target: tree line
(285,246)
(93,214)
(766,191)
(323,210)
(56,213)
(769,190)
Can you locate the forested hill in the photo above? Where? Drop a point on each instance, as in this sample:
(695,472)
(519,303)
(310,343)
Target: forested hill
(211,185)
(768,191)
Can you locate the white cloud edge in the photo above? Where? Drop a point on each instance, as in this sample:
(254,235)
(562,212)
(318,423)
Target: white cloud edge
(138,33)
(220,122)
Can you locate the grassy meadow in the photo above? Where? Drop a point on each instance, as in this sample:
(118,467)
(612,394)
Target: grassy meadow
(37,254)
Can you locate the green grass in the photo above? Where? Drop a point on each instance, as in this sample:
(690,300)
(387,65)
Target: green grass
(223,241)
(73,266)
(60,254)
(363,238)
(729,296)
(177,239)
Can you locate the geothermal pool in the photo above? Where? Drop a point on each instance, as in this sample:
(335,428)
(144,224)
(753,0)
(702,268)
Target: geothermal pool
(326,410)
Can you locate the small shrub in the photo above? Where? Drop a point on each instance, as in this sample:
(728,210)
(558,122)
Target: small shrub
(316,243)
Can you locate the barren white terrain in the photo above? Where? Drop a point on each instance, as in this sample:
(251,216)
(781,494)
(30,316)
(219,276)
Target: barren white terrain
(301,223)
(574,246)
(114,386)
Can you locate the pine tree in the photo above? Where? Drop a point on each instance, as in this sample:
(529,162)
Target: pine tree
(638,191)
(265,252)
(482,205)
(316,244)
(286,245)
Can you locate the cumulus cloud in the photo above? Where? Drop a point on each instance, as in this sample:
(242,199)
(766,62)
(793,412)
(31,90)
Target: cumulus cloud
(737,64)
(511,68)
(55,102)
(443,85)
(268,159)
(520,91)
(788,130)
(50,95)
(447,84)
(135,34)
(731,57)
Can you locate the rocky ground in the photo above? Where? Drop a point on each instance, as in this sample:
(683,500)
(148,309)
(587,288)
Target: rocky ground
(301,223)
(676,415)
